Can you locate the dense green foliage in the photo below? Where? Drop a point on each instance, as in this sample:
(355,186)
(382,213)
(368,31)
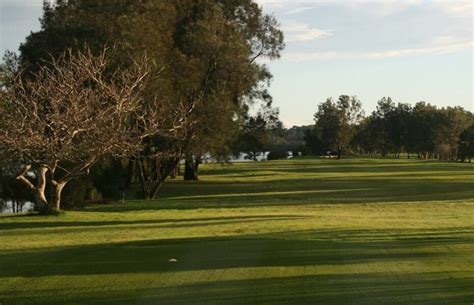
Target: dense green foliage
(206,75)
(425,130)
(277,155)
(334,126)
(466,144)
(259,133)
(358,231)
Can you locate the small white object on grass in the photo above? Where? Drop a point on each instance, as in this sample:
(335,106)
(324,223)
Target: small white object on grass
(173,261)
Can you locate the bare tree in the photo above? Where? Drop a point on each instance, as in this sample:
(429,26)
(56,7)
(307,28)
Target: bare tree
(75,110)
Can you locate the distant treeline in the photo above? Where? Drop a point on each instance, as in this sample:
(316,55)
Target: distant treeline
(422,130)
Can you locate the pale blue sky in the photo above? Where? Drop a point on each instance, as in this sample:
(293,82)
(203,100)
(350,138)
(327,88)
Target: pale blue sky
(411,50)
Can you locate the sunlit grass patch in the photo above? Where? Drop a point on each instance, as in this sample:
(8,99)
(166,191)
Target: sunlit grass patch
(357,231)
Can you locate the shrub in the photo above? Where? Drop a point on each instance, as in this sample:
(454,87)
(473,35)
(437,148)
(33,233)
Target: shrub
(277,155)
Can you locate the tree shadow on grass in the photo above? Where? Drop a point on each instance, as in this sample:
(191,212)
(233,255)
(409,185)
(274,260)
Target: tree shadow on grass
(336,284)
(161,223)
(299,248)
(359,289)
(298,192)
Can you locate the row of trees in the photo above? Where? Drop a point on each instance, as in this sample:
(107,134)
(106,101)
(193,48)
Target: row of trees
(128,89)
(423,129)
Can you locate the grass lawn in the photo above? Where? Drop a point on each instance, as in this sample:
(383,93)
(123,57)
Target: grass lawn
(355,231)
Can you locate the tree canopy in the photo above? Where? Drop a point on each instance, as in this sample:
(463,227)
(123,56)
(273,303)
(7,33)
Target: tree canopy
(205,52)
(63,118)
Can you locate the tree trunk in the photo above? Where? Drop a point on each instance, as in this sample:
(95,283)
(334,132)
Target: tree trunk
(196,167)
(19,207)
(142,178)
(165,171)
(157,189)
(175,172)
(129,174)
(41,203)
(152,178)
(190,173)
(38,190)
(55,204)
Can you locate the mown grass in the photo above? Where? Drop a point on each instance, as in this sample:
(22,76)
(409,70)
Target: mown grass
(356,231)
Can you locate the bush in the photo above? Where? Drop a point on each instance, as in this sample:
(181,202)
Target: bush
(301,151)
(76,193)
(277,155)
(111,177)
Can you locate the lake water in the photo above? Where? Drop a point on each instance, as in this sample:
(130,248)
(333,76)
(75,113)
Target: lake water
(7,207)
(243,157)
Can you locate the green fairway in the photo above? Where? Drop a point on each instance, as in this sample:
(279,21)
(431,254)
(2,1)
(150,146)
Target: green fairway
(355,231)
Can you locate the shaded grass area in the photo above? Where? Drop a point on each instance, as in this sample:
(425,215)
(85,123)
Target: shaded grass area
(357,231)
(302,182)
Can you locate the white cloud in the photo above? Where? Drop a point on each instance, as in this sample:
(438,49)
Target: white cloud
(301,32)
(300,10)
(439,49)
(380,7)
(445,26)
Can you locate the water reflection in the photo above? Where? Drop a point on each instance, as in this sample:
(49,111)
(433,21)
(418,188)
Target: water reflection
(10,207)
